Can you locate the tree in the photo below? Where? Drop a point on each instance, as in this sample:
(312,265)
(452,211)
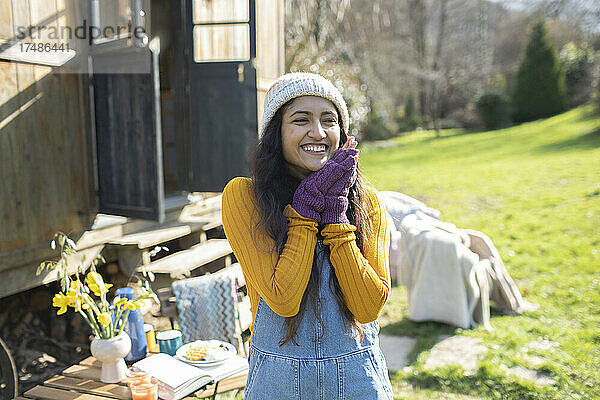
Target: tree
(407,119)
(540,86)
(493,109)
(578,64)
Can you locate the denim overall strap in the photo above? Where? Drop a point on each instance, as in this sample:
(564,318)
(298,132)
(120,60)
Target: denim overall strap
(330,360)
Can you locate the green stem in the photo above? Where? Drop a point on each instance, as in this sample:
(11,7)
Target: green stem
(94,328)
(118,313)
(93,323)
(95,307)
(126,315)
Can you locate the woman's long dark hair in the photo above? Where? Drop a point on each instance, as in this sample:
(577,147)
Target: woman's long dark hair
(274,188)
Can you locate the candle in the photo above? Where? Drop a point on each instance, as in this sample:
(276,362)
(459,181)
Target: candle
(144,391)
(137,377)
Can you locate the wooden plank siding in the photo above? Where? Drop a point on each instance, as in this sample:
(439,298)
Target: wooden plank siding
(45,161)
(45,147)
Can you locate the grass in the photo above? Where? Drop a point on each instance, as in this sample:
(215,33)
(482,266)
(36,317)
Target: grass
(535,190)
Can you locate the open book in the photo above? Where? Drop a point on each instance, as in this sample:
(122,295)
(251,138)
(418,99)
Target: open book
(176,379)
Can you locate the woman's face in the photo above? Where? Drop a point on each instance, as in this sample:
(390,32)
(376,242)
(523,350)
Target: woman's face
(310,134)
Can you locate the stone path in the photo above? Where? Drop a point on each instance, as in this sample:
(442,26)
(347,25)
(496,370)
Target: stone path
(396,350)
(462,351)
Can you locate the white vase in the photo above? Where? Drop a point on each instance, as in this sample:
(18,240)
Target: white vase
(110,353)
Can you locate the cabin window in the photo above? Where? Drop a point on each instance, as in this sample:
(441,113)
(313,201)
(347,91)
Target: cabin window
(221,30)
(118,19)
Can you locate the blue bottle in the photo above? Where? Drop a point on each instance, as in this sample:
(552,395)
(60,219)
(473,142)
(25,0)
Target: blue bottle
(135,329)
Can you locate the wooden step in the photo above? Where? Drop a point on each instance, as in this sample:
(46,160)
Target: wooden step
(162,233)
(185,261)
(202,207)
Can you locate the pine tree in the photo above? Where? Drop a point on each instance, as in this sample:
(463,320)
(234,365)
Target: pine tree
(540,86)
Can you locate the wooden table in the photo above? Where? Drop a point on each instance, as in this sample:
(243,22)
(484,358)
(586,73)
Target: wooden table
(82,382)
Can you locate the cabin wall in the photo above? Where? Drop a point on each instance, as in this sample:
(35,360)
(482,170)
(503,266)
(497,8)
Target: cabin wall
(270,47)
(46,163)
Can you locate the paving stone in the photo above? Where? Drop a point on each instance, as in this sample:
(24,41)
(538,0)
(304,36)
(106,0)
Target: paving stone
(396,350)
(535,361)
(540,378)
(461,351)
(543,345)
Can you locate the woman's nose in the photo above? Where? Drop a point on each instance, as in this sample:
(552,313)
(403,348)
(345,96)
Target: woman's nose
(317,131)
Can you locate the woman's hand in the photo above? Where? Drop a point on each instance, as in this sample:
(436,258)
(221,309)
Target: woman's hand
(318,192)
(336,197)
(351,143)
(349,153)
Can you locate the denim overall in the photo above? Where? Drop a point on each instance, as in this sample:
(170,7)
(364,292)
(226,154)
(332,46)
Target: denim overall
(338,366)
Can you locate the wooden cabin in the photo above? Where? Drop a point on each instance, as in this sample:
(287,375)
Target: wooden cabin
(127,126)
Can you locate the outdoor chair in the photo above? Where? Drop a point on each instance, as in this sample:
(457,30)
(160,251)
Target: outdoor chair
(212,306)
(451,274)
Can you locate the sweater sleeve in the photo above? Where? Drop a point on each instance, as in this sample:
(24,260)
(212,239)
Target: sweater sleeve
(281,282)
(364,279)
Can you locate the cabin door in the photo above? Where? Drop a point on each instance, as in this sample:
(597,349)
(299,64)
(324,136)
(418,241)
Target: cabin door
(222,89)
(127,117)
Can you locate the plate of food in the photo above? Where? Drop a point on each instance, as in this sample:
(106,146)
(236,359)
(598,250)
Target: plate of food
(205,352)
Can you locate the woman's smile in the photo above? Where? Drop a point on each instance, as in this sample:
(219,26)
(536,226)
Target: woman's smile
(314,148)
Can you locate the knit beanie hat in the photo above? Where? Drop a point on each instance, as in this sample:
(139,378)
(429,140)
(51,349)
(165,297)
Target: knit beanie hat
(290,86)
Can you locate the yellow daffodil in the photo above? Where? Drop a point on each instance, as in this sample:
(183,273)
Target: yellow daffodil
(61,301)
(132,305)
(74,295)
(139,303)
(104,319)
(119,301)
(87,293)
(96,283)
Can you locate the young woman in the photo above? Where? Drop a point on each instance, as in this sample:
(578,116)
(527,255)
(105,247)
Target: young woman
(312,241)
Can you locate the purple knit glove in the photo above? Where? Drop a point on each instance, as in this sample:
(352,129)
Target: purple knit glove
(308,201)
(309,198)
(336,198)
(335,168)
(335,210)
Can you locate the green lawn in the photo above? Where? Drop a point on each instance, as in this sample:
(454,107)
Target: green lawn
(535,190)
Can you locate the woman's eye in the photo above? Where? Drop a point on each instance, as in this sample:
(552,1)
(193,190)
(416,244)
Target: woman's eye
(301,120)
(330,121)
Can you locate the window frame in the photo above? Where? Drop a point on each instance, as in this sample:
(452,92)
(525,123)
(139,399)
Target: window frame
(239,22)
(139,17)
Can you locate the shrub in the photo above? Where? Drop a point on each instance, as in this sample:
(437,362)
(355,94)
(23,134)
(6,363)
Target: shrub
(540,84)
(374,127)
(407,118)
(494,109)
(578,65)
(466,118)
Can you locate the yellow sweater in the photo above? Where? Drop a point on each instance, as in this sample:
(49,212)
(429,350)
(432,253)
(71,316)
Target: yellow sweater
(364,279)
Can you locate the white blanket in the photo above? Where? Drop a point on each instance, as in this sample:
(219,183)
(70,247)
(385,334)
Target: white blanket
(451,274)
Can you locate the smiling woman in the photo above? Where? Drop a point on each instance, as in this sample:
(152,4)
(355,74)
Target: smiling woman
(306,231)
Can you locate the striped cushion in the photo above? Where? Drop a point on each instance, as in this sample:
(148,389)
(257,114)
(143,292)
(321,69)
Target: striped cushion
(207,308)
